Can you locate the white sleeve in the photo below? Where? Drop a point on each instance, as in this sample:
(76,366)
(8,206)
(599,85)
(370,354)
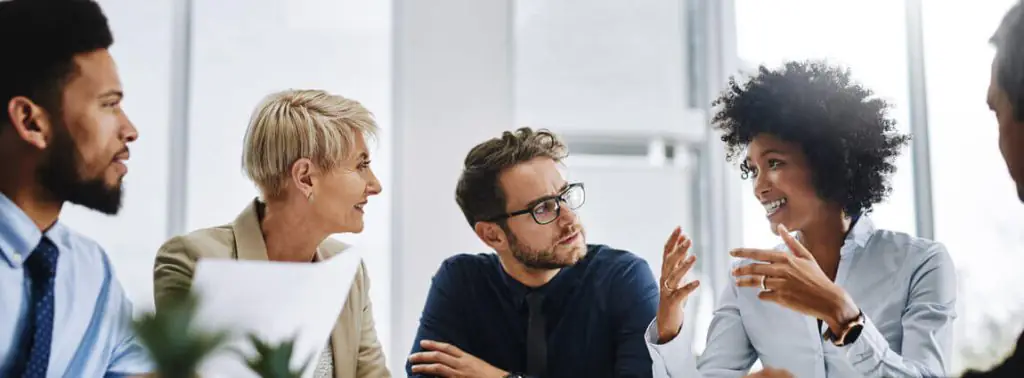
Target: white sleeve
(927,327)
(728,353)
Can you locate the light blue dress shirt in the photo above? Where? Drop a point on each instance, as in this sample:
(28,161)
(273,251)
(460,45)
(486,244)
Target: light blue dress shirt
(92,334)
(906,287)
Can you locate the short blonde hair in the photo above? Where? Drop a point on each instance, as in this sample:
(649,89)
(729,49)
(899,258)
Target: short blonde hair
(294,124)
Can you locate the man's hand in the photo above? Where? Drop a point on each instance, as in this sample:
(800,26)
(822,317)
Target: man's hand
(771,373)
(796,281)
(675,263)
(446,360)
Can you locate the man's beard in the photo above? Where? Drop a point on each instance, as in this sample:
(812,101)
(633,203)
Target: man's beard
(534,259)
(60,175)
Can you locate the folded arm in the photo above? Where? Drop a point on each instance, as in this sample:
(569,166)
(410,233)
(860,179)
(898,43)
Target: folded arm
(441,319)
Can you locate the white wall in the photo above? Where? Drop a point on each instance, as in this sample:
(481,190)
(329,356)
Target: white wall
(601,65)
(453,89)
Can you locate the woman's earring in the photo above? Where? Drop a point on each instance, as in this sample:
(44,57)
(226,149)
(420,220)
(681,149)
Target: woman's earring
(309,197)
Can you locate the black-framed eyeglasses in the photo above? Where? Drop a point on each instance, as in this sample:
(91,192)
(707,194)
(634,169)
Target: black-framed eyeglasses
(545,210)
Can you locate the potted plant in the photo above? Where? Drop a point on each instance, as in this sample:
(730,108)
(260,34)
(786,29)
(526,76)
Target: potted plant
(272,361)
(175,347)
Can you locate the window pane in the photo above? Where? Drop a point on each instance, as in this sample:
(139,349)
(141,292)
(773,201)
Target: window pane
(977,213)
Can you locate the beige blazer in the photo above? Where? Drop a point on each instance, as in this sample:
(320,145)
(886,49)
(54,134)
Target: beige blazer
(357,352)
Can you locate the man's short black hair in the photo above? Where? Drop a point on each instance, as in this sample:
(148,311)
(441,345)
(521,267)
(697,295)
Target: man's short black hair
(1010,59)
(849,140)
(40,39)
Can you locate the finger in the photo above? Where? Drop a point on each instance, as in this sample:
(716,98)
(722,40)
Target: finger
(685,291)
(755,282)
(433,357)
(671,242)
(439,370)
(676,275)
(679,252)
(759,255)
(794,245)
(770,296)
(771,270)
(442,347)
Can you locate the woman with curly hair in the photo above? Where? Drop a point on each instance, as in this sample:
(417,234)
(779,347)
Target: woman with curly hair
(842,298)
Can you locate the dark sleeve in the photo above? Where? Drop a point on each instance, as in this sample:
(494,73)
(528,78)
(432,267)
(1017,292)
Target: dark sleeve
(1012,367)
(441,318)
(636,296)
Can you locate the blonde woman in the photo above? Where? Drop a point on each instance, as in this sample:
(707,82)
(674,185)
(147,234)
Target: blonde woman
(306,152)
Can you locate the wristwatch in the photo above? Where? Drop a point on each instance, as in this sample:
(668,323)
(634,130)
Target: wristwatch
(513,375)
(849,334)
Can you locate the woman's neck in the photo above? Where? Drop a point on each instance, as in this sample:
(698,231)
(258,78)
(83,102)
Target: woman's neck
(288,235)
(824,239)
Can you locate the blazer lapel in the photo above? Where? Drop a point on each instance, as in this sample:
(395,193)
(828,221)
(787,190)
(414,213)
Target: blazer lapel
(344,339)
(249,244)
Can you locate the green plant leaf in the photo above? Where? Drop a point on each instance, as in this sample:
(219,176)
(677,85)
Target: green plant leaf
(272,361)
(175,347)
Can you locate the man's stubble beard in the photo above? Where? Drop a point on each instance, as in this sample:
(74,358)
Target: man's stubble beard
(60,175)
(540,260)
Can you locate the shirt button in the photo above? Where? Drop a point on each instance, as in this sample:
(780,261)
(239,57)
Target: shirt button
(17,258)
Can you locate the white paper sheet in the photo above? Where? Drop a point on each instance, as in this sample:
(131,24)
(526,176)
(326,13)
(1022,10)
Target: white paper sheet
(273,300)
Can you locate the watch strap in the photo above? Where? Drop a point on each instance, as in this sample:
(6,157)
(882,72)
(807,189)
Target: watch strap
(850,332)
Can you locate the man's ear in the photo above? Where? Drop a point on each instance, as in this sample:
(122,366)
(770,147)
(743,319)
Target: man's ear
(29,121)
(302,176)
(491,234)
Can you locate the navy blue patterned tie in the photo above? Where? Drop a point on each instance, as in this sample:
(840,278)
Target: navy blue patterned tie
(42,267)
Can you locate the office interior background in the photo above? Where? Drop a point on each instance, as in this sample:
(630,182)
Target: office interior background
(628,85)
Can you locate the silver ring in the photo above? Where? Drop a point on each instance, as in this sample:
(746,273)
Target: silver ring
(666,287)
(763,288)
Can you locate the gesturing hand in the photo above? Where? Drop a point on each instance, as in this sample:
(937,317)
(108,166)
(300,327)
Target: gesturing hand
(446,360)
(675,264)
(795,281)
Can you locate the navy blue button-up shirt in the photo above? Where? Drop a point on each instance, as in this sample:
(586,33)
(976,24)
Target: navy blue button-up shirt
(596,313)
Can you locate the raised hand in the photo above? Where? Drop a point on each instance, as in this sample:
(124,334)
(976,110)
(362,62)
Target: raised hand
(446,360)
(676,262)
(795,281)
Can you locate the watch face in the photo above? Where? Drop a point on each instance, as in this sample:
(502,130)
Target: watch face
(853,334)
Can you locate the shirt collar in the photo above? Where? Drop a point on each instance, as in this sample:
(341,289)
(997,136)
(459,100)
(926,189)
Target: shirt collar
(249,242)
(565,281)
(19,234)
(517,291)
(858,236)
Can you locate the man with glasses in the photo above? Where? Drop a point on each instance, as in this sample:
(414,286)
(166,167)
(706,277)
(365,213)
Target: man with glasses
(546,304)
